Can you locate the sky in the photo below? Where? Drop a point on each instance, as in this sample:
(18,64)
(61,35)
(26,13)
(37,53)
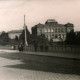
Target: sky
(38,11)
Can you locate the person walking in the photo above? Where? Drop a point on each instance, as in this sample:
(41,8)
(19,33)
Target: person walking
(20,48)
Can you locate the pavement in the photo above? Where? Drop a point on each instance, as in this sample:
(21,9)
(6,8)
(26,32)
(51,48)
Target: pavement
(55,54)
(11,69)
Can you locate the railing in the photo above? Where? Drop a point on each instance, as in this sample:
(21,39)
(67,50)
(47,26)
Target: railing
(59,48)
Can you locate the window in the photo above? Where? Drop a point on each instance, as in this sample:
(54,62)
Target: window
(52,30)
(62,30)
(53,35)
(56,36)
(40,31)
(59,35)
(63,35)
(50,36)
(56,30)
(49,30)
(45,30)
(46,36)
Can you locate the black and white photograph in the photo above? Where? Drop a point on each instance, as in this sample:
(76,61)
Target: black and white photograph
(39,39)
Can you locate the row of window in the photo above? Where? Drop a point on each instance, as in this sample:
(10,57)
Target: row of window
(56,30)
(56,36)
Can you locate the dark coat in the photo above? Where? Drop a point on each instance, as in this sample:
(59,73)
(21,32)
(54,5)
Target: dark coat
(20,47)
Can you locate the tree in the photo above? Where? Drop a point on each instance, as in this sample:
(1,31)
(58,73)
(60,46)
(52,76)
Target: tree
(71,38)
(22,37)
(78,38)
(16,38)
(41,39)
(4,38)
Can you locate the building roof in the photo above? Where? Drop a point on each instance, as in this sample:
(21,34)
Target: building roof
(15,31)
(69,25)
(60,25)
(52,25)
(51,20)
(38,25)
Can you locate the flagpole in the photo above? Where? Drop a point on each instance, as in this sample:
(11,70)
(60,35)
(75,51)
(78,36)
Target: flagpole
(25,27)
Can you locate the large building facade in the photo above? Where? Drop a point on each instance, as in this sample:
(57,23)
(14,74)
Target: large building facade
(52,30)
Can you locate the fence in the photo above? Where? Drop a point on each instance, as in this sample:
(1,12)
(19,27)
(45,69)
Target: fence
(59,48)
(5,46)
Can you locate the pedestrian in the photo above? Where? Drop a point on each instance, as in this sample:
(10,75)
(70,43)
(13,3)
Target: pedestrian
(20,48)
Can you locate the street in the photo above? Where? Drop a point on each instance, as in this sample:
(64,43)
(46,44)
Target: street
(21,66)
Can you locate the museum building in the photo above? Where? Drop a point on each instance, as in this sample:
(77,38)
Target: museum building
(52,30)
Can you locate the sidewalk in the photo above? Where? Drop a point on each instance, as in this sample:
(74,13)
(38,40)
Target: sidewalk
(55,54)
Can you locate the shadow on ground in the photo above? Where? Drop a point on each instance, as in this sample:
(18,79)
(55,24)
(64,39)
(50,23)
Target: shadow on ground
(44,63)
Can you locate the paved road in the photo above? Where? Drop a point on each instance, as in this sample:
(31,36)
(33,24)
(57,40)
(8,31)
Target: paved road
(20,66)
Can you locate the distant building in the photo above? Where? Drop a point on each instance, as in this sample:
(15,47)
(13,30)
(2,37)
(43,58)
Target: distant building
(52,30)
(12,34)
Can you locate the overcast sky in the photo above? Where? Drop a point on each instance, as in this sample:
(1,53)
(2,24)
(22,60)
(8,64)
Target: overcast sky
(38,11)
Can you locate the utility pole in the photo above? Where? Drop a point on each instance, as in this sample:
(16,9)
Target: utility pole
(25,27)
